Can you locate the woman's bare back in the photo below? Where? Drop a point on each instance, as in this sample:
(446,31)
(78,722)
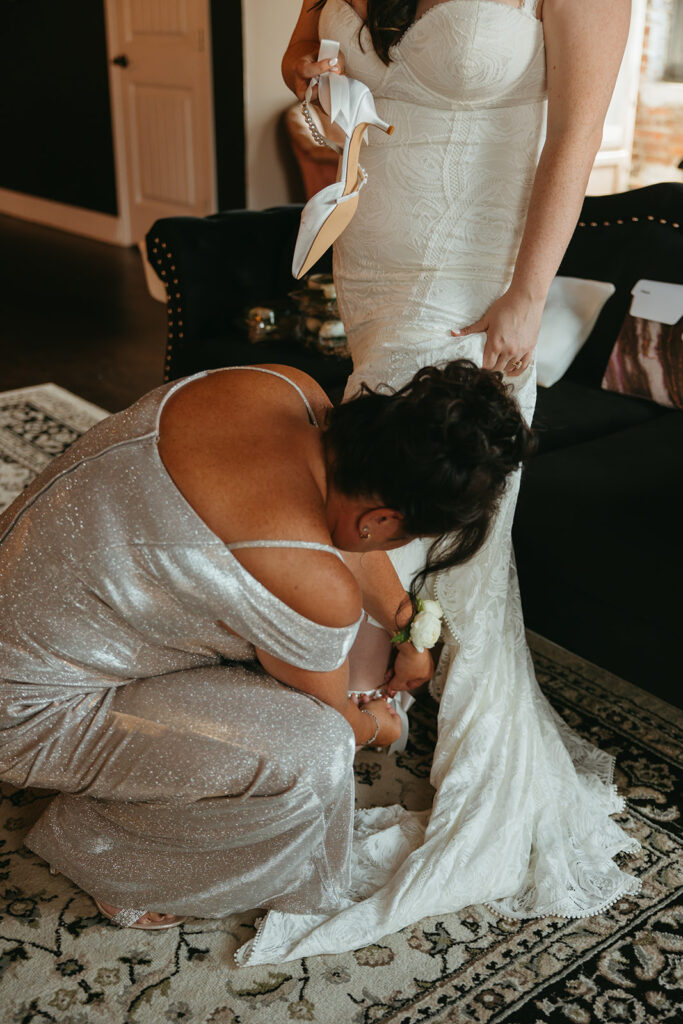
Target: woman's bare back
(241,449)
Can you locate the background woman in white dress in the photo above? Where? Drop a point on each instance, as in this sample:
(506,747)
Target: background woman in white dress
(469,206)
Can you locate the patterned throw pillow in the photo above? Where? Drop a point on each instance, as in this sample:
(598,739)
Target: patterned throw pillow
(647,358)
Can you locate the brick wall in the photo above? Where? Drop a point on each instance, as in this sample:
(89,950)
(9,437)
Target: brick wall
(658,137)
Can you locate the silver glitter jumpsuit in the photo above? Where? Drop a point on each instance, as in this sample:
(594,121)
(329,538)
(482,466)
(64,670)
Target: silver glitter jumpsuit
(190,780)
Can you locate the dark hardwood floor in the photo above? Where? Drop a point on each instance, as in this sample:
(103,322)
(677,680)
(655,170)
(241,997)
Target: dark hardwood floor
(78,313)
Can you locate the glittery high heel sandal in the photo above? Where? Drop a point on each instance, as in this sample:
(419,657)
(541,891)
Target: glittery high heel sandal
(349,104)
(131,919)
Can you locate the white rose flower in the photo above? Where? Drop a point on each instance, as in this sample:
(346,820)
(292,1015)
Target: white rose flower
(425,630)
(433,607)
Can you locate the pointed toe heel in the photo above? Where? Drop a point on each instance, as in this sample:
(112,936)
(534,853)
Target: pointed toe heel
(349,104)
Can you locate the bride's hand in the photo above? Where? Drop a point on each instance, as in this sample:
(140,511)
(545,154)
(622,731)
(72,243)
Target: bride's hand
(511,325)
(307,67)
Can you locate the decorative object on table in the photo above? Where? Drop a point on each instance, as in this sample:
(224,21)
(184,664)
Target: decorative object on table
(647,358)
(276,323)
(266,323)
(261,322)
(571,311)
(319,324)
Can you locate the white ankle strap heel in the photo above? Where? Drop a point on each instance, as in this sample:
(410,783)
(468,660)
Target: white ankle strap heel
(349,104)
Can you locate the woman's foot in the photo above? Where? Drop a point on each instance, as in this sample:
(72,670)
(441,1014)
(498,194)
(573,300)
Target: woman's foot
(150,920)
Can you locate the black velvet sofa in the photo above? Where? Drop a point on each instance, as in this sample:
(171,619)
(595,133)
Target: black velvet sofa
(599,524)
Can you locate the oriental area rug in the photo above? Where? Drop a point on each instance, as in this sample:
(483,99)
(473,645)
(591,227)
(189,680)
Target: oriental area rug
(61,962)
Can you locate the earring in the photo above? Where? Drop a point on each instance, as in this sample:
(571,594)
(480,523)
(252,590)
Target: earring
(365,533)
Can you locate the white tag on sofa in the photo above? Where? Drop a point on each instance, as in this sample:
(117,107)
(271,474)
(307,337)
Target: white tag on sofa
(571,309)
(658,301)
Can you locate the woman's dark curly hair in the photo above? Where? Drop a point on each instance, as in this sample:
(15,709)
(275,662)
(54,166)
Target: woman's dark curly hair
(387,21)
(438,451)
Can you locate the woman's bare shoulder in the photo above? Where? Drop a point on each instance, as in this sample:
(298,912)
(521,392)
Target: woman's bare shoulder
(251,386)
(316,584)
(315,394)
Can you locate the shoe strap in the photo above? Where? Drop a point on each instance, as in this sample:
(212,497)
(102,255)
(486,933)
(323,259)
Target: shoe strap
(308,118)
(361,182)
(125,918)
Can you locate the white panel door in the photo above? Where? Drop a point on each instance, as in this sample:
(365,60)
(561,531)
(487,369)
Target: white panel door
(160,78)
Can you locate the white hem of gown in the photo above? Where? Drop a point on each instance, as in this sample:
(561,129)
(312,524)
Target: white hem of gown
(521,817)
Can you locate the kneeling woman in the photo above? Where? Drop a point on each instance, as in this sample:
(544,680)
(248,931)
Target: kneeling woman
(176,620)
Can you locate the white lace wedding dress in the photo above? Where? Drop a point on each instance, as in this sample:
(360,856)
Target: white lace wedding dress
(521,815)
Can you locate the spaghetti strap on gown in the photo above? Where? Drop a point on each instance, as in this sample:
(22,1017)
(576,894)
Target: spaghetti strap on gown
(521,818)
(191,781)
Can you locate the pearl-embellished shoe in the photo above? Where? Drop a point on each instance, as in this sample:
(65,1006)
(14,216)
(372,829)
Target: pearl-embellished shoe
(349,104)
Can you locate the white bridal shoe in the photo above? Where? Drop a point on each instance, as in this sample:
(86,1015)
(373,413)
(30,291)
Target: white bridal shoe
(349,104)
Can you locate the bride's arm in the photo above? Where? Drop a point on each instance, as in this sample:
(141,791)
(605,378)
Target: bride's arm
(299,63)
(584,43)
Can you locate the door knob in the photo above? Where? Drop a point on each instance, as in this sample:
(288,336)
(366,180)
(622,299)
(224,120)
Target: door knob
(121,60)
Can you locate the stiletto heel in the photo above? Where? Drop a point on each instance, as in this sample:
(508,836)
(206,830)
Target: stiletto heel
(349,104)
(399,745)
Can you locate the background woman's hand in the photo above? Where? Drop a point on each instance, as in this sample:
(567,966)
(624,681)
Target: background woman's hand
(511,324)
(410,670)
(307,67)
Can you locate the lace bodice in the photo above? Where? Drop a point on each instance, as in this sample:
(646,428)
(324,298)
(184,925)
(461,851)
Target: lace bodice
(461,54)
(447,193)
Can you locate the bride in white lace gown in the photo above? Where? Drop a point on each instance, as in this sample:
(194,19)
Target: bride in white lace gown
(458,233)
